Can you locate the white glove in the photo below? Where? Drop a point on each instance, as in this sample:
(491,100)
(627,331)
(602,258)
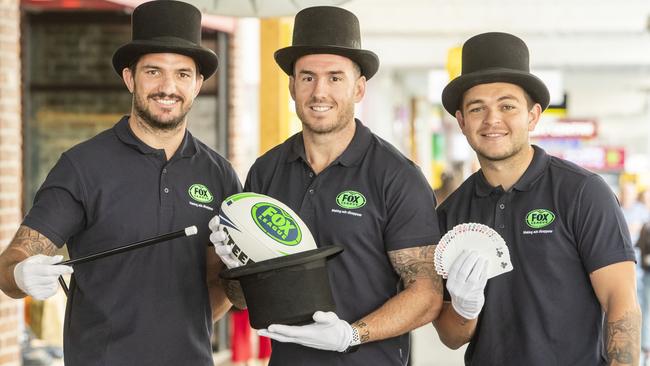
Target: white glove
(328,333)
(466,283)
(219,239)
(37,276)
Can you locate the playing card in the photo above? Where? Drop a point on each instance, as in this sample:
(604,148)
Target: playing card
(473,237)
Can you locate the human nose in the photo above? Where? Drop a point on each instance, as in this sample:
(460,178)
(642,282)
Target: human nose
(492,116)
(167,84)
(320,87)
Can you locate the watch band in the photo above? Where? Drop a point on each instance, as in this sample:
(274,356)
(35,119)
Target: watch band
(354,342)
(356,339)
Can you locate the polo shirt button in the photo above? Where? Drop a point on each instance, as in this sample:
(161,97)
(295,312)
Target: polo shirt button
(502,206)
(166,190)
(311,191)
(311,174)
(502,226)
(164,170)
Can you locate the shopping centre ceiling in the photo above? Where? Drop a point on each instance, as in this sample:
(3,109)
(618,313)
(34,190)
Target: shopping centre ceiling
(562,33)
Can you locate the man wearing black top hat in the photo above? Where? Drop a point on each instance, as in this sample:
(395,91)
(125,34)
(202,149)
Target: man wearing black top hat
(569,245)
(355,190)
(144,177)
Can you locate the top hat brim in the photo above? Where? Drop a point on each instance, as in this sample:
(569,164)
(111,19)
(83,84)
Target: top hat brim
(453,92)
(367,60)
(282,263)
(207,61)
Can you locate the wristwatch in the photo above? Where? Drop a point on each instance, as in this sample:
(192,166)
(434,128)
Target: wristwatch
(355,342)
(351,349)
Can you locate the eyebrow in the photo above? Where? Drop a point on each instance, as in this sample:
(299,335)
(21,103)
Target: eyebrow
(334,72)
(148,66)
(500,99)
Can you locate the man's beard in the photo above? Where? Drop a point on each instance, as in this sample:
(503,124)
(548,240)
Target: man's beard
(144,113)
(345,115)
(506,155)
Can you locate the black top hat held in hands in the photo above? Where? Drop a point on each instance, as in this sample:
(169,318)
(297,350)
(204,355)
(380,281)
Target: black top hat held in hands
(491,58)
(166,26)
(287,289)
(328,30)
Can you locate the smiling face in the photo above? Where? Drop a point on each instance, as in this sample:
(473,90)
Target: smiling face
(164,86)
(325,88)
(496,120)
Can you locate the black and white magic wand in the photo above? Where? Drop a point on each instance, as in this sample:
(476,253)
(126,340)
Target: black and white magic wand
(188,231)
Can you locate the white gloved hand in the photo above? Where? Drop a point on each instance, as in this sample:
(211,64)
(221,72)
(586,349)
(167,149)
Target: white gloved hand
(466,284)
(328,333)
(37,276)
(218,238)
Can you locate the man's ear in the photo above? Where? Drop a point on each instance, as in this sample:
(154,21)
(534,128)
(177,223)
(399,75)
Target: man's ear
(128,77)
(199,83)
(461,120)
(359,89)
(533,116)
(292,87)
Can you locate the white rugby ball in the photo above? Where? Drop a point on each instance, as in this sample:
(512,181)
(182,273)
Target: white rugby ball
(260,227)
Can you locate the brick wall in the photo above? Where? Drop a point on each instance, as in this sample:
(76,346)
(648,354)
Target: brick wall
(10,167)
(73,91)
(243,93)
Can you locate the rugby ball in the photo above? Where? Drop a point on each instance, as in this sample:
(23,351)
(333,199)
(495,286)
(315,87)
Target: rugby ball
(260,227)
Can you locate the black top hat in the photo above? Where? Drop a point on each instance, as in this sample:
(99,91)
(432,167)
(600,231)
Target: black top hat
(491,58)
(166,26)
(288,289)
(331,30)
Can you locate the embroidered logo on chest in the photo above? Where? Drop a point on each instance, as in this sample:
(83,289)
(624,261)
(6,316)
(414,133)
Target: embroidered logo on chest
(200,196)
(539,218)
(200,193)
(350,200)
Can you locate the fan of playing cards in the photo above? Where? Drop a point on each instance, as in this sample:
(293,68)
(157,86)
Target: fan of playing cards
(477,237)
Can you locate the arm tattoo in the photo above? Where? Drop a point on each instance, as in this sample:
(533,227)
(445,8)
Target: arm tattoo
(31,242)
(234,293)
(623,339)
(414,263)
(364,332)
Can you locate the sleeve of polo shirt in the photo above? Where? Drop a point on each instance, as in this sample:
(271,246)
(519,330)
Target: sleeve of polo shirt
(235,184)
(410,208)
(58,212)
(252,183)
(601,232)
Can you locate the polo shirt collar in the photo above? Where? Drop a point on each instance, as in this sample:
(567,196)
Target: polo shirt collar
(534,171)
(123,131)
(352,154)
(296,148)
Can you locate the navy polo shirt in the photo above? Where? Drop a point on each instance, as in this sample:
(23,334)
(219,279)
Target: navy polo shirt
(370,200)
(561,223)
(149,306)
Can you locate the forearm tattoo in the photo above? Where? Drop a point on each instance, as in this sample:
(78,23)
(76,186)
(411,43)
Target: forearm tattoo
(31,242)
(364,332)
(234,293)
(414,263)
(623,339)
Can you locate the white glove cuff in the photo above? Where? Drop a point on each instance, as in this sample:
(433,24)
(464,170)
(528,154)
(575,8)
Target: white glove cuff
(465,314)
(18,278)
